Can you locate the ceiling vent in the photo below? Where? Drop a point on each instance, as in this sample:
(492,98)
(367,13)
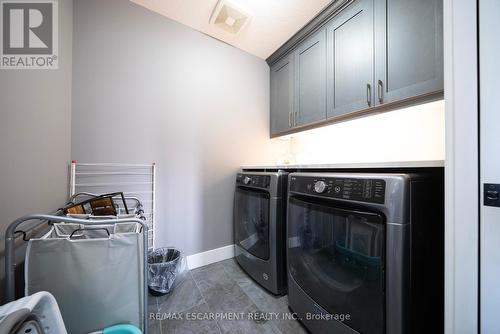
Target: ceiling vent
(229,17)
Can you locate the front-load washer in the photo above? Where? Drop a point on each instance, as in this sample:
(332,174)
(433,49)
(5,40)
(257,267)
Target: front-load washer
(259,227)
(365,252)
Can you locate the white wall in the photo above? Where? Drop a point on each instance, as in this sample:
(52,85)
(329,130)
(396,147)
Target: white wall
(409,134)
(489,134)
(148,89)
(461,168)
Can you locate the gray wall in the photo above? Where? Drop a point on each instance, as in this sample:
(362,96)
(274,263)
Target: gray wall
(35,124)
(147,89)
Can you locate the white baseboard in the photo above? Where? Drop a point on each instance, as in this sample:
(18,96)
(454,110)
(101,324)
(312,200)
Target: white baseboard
(214,255)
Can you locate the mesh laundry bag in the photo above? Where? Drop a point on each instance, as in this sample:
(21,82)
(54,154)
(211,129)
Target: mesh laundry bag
(167,269)
(95,275)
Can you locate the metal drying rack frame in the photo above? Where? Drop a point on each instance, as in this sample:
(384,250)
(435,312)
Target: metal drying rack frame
(87,178)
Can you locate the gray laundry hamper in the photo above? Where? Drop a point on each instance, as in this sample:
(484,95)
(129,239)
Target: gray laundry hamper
(94,272)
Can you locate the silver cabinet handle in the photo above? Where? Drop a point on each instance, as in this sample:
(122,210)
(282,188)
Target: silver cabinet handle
(295,118)
(289,119)
(369,94)
(380,91)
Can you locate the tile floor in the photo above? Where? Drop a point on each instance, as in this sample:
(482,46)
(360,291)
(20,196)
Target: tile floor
(220,288)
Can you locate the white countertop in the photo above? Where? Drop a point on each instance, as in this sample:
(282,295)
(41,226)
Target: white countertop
(392,164)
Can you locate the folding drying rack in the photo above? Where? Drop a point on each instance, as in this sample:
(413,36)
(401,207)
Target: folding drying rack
(136,181)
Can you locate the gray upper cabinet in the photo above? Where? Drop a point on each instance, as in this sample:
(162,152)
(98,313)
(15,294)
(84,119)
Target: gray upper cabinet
(282,85)
(408,48)
(350,59)
(310,80)
(357,55)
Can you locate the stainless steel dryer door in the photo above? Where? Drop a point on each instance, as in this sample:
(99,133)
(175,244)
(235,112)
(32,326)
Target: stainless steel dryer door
(337,256)
(251,221)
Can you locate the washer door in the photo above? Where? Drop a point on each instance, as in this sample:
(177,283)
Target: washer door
(337,256)
(251,221)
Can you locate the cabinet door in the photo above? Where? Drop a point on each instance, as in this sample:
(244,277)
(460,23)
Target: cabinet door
(310,90)
(282,95)
(350,59)
(408,48)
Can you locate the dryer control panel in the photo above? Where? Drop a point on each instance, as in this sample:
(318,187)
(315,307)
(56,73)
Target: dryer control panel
(259,181)
(353,189)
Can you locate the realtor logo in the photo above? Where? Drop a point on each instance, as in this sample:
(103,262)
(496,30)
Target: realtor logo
(29,37)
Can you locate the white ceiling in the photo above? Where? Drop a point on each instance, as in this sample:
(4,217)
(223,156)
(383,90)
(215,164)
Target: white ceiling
(273,22)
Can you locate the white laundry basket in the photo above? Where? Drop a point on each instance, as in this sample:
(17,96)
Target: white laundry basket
(34,314)
(94,272)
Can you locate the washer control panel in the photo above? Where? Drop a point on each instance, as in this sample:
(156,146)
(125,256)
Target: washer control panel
(259,181)
(354,189)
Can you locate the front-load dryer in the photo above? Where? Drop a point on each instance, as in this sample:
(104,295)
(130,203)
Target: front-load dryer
(259,227)
(366,252)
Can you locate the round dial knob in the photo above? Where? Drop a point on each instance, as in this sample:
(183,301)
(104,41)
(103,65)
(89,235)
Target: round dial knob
(320,187)
(246,180)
